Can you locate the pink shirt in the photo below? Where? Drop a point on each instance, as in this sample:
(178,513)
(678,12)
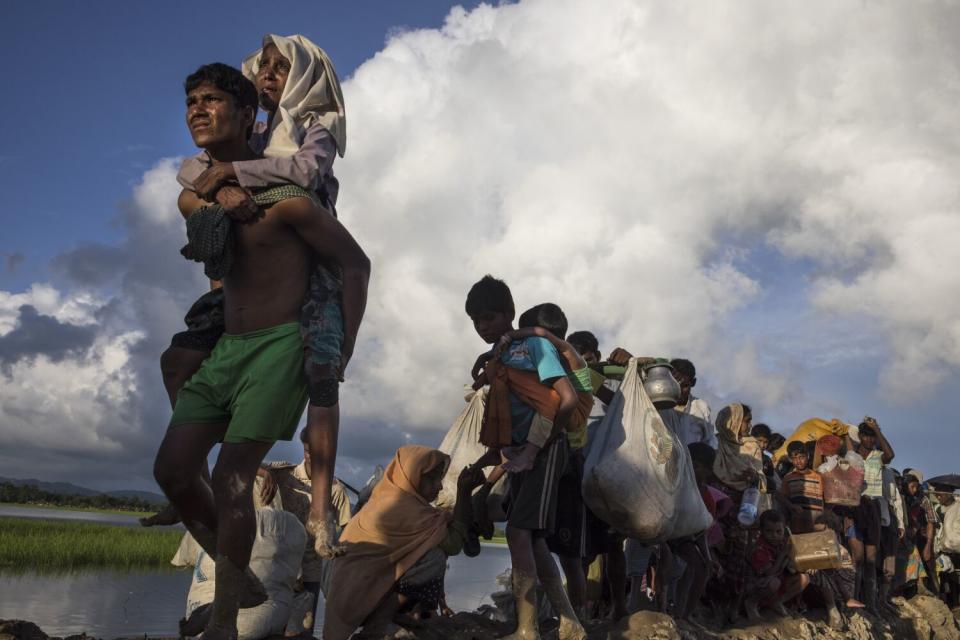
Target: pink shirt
(311,167)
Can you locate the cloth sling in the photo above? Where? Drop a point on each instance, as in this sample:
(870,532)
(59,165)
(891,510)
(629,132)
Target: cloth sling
(210,231)
(497,429)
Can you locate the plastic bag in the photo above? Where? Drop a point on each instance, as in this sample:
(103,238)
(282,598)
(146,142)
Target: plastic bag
(842,480)
(638,477)
(462,444)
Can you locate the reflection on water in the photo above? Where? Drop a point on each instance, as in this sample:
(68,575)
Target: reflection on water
(110,604)
(63,514)
(102,603)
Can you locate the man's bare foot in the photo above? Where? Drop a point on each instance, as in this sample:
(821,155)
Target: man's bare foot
(197,621)
(254,593)
(324,532)
(779,609)
(571,630)
(163,518)
(834,619)
(520,458)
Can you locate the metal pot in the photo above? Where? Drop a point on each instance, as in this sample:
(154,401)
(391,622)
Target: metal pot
(660,385)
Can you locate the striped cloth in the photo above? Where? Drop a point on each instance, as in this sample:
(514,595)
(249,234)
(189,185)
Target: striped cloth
(873,474)
(805,490)
(210,230)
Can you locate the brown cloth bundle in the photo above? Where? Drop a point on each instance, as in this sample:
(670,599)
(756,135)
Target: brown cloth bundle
(497,426)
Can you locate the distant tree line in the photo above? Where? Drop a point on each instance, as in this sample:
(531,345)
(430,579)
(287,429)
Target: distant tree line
(29,494)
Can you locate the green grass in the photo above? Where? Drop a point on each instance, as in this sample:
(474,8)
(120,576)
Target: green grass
(117,512)
(50,546)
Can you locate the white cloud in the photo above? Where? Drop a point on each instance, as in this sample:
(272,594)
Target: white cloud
(627,160)
(623,161)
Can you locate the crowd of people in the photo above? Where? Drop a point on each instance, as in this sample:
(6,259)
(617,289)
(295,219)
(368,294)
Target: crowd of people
(277,330)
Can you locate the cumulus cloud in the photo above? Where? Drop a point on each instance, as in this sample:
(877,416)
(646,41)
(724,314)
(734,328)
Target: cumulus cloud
(39,334)
(648,166)
(629,163)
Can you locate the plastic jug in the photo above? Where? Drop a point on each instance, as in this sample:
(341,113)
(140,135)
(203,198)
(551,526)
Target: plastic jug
(748,507)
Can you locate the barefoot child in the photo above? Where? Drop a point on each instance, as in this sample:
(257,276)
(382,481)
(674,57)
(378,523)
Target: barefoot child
(773,583)
(305,130)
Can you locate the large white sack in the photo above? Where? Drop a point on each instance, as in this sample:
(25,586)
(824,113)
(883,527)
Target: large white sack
(638,477)
(462,444)
(275,559)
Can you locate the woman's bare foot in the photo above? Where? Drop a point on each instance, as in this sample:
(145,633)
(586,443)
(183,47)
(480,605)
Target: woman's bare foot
(855,604)
(324,532)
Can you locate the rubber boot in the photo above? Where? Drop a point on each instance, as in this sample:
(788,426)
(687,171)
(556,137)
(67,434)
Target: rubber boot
(525,597)
(570,627)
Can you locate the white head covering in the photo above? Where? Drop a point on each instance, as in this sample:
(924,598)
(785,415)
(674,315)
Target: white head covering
(312,95)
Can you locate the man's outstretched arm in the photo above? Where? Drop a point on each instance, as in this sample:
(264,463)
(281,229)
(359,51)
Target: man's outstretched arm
(331,240)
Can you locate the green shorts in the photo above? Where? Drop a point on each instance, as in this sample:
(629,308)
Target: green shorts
(253,381)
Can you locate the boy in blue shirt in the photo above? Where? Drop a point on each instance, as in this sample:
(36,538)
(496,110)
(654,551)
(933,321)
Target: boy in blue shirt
(532,495)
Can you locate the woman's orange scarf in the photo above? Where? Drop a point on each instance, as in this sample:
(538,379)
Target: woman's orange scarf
(388,536)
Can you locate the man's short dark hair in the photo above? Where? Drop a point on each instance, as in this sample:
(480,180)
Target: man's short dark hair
(584,341)
(775,441)
(546,315)
(226,78)
(702,453)
(684,367)
(761,430)
(863,429)
(796,446)
(489,295)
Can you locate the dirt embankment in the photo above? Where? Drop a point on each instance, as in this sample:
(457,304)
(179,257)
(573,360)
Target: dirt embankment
(921,618)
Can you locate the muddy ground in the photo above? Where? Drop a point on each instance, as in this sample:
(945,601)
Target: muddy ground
(921,618)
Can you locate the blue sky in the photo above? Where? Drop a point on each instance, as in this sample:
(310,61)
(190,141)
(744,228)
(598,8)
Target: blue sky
(783,210)
(99,86)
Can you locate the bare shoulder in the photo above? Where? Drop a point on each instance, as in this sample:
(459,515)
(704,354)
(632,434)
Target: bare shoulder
(189,202)
(300,211)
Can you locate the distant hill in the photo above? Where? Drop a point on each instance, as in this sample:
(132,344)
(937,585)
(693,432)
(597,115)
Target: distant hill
(69,489)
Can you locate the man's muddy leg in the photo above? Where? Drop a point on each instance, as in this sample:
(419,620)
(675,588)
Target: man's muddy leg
(177,365)
(178,469)
(323,429)
(617,579)
(233,480)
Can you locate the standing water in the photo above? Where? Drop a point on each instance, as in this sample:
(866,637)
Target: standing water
(109,604)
